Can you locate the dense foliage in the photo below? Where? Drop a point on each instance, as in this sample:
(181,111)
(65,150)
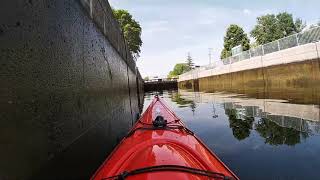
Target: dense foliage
(131,30)
(271,27)
(178,69)
(181,68)
(234,36)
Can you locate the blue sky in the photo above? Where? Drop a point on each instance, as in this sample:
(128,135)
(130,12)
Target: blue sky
(172,28)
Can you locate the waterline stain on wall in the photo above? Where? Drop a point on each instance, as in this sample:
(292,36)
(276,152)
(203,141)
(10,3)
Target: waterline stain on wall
(299,81)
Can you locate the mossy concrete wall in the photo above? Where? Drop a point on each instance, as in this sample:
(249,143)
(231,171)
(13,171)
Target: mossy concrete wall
(292,73)
(299,81)
(69,89)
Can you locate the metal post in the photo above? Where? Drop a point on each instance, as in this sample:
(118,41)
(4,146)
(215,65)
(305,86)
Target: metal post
(209,55)
(262,50)
(278,45)
(297,39)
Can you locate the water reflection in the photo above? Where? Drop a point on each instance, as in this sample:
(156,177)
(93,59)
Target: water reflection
(277,135)
(277,121)
(182,102)
(276,129)
(301,117)
(245,131)
(240,127)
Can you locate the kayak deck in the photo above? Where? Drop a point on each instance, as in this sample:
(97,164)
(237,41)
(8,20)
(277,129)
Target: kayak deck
(166,152)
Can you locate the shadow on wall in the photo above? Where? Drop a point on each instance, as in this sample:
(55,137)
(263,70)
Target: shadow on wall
(67,94)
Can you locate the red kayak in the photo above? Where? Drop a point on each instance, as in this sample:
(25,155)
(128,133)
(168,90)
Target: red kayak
(159,146)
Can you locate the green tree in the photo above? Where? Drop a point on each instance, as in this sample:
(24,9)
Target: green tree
(178,69)
(131,30)
(146,78)
(225,53)
(234,36)
(190,62)
(271,27)
(299,25)
(254,44)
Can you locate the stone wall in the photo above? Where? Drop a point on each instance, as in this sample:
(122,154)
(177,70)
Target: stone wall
(69,88)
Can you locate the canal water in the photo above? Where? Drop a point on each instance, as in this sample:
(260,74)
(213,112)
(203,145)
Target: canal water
(257,138)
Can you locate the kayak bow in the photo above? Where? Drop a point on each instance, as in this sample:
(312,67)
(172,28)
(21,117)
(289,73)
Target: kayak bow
(159,146)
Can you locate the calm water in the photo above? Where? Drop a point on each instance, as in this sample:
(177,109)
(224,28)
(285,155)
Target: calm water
(256,138)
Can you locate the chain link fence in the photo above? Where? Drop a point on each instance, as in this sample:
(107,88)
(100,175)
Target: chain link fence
(305,37)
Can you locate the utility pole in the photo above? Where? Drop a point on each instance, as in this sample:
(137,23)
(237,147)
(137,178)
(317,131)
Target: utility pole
(210,49)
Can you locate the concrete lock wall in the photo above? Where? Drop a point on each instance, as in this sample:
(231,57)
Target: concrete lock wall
(69,88)
(294,71)
(291,55)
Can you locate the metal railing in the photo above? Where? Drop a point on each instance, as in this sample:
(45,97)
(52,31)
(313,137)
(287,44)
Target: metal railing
(305,37)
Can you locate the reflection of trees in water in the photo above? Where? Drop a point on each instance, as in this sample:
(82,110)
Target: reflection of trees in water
(240,128)
(182,102)
(275,129)
(317,127)
(273,133)
(176,97)
(277,135)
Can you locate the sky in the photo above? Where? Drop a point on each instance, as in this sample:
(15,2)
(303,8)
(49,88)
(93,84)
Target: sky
(172,28)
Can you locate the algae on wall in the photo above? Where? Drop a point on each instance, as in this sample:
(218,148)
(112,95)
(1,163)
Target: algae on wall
(297,81)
